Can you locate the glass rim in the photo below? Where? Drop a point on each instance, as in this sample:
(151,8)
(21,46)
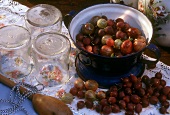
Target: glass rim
(68,48)
(17,45)
(44,25)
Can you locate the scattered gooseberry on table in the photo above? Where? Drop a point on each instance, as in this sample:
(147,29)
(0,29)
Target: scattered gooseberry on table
(131,95)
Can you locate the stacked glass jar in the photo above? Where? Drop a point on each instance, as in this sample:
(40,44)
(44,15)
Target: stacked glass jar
(40,43)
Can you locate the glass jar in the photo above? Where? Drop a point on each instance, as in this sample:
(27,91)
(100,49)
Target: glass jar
(43,18)
(15,53)
(51,58)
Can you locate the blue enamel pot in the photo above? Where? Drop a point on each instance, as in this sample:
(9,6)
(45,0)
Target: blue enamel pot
(113,11)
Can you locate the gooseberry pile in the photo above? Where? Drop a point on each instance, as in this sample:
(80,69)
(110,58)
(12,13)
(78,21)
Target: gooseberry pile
(110,38)
(131,95)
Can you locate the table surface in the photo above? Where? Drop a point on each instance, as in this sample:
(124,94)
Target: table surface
(68,5)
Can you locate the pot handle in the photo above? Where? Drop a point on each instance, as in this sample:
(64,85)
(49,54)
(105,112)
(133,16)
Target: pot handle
(156,51)
(68,17)
(88,60)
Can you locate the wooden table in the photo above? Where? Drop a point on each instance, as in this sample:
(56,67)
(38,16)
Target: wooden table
(68,5)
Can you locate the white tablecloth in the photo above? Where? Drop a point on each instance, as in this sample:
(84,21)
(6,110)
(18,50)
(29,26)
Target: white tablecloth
(13,13)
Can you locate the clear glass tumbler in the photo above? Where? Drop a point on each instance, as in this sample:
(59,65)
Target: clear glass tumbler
(51,58)
(43,18)
(15,45)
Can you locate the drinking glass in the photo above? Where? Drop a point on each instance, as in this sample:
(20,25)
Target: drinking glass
(15,57)
(43,18)
(51,58)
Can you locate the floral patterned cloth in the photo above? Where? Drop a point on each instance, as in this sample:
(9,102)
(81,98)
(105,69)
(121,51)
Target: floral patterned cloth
(13,13)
